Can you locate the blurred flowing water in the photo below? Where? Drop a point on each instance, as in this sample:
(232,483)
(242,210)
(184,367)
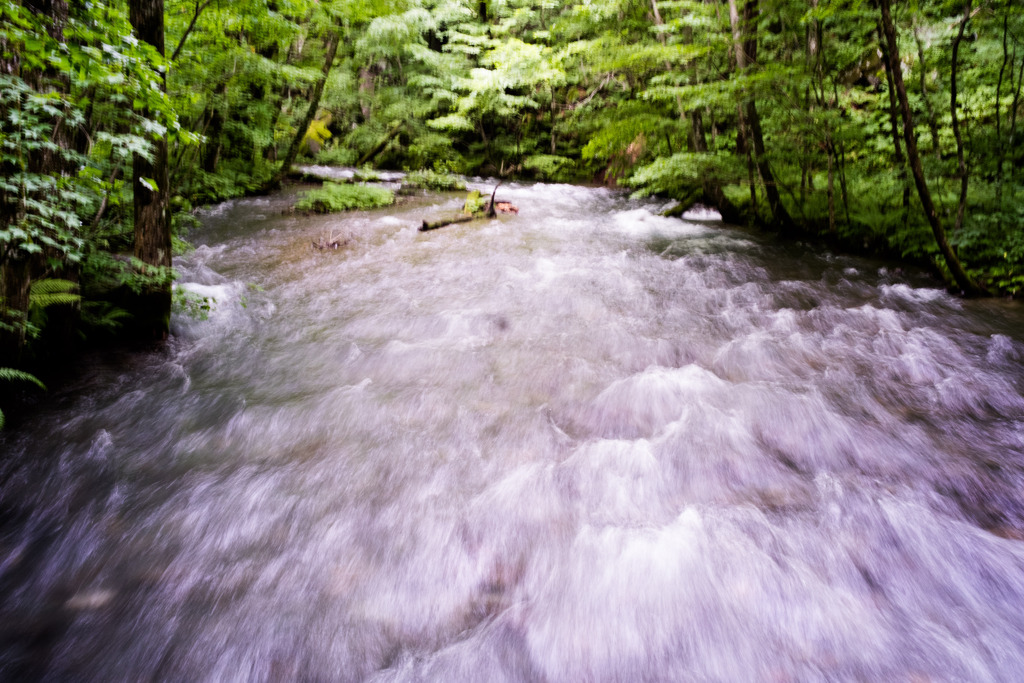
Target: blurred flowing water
(584,443)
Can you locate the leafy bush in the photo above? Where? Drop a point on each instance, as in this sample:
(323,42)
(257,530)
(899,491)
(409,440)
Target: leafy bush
(366,175)
(430,149)
(679,174)
(234,178)
(550,167)
(336,155)
(431,180)
(334,197)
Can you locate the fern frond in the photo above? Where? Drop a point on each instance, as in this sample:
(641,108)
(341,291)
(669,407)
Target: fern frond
(55,300)
(53,292)
(12,375)
(52,286)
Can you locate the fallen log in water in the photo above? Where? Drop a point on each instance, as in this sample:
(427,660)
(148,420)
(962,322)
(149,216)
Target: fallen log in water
(474,207)
(434,225)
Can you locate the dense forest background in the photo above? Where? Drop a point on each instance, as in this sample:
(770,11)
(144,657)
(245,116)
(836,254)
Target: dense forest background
(892,129)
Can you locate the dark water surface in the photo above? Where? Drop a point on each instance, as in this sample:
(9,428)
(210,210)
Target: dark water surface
(584,443)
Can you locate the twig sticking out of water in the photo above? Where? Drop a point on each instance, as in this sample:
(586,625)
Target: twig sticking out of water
(491,213)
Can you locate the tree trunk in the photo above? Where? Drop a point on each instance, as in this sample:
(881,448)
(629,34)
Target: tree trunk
(200,6)
(215,127)
(963,280)
(781,219)
(366,80)
(901,161)
(20,268)
(737,37)
(1013,118)
(434,225)
(14,294)
(314,104)
(152,205)
(712,193)
(831,188)
(742,137)
(379,147)
(211,156)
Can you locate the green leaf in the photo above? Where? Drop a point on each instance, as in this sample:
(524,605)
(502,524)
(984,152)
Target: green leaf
(12,375)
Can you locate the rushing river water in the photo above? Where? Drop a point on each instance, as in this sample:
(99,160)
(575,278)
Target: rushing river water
(584,443)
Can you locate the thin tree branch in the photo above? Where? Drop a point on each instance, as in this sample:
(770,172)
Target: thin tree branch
(961,164)
(593,94)
(200,6)
(106,197)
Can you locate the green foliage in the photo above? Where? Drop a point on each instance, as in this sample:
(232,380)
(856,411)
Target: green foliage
(318,133)
(475,203)
(49,292)
(366,175)
(429,149)
(336,155)
(46,216)
(103,318)
(53,292)
(78,99)
(679,174)
(566,90)
(431,180)
(550,167)
(333,197)
(193,305)
(13,375)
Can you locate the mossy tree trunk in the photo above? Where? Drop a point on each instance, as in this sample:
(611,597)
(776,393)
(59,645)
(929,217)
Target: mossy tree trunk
(151,194)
